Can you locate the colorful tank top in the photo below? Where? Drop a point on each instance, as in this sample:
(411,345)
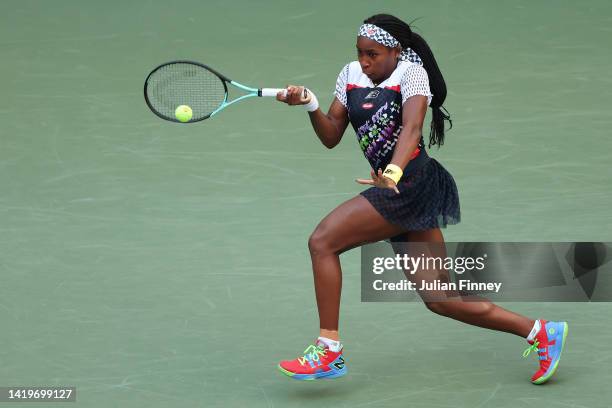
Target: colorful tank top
(375,112)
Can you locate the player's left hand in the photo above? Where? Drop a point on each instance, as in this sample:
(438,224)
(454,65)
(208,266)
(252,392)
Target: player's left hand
(378,180)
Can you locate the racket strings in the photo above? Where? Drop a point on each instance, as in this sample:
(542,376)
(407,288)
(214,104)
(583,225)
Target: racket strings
(185,84)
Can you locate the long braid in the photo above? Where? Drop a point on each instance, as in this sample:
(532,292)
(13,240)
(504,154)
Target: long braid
(408,39)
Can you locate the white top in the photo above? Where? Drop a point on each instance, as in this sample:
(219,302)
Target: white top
(411,77)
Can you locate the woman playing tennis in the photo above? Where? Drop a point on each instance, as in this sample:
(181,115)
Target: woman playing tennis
(384,95)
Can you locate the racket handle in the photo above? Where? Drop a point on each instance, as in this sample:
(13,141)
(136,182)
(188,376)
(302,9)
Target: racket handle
(271,91)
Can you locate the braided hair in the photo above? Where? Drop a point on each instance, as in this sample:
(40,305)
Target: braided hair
(408,39)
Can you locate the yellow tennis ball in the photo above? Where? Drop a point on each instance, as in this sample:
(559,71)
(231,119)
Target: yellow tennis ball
(183,113)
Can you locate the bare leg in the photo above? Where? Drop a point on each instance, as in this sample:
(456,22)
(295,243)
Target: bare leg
(353,223)
(481,313)
(356,222)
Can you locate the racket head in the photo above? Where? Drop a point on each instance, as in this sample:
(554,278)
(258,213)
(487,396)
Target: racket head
(184,82)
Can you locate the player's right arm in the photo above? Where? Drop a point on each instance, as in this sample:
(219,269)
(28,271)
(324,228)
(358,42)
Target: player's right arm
(329,127)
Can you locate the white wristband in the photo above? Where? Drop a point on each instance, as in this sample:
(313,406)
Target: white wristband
(313,105)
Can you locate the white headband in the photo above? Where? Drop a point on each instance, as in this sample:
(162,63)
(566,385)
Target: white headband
(382,37)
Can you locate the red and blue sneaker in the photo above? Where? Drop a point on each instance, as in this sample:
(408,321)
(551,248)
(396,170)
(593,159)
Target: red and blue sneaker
(548,343)
(318,361)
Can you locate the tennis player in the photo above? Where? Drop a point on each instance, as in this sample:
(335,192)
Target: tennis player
(385,95)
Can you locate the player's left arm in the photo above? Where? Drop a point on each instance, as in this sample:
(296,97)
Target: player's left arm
(413,115)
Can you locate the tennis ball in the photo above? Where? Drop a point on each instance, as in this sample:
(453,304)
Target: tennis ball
(183,113)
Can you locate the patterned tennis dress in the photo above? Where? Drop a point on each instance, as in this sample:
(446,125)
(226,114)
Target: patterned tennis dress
(428,194)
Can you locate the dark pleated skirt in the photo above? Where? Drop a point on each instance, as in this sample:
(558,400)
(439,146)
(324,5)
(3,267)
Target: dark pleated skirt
(428,199)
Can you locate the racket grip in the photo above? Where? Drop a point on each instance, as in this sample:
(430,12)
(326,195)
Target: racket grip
(271,91)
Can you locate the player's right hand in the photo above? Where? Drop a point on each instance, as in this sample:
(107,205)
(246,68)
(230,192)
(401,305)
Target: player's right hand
(294,95)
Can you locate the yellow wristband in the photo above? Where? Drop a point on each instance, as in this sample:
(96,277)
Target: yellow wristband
(393,172)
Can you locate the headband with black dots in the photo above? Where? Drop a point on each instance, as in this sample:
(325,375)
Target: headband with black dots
(382,37)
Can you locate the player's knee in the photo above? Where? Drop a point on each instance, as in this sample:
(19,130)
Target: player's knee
(441,308)
(452,308)
(320,242)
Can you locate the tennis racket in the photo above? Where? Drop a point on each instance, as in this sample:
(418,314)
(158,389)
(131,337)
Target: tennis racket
(198,86)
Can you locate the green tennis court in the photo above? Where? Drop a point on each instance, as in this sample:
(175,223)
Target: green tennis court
(163,265)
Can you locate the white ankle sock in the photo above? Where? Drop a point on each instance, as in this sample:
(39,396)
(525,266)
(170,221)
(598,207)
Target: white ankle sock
(333,345)
(536,328)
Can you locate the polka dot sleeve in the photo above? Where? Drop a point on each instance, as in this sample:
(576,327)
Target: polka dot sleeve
(415,82)
(341,85)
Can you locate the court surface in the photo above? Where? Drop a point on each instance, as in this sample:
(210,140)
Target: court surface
(162,265)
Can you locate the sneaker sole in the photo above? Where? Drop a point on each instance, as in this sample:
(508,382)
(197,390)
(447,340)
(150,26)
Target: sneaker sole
(545,378)
(308,377)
